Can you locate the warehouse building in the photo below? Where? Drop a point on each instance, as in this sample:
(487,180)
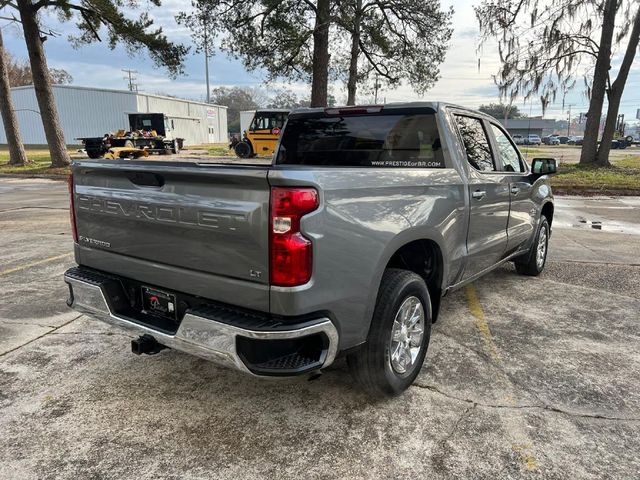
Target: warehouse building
(529,126)
(92,112)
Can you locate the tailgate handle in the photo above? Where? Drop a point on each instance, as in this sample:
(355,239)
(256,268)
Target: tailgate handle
(144,179)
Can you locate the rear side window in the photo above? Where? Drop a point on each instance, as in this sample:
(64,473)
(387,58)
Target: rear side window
(508,154)
(476,143)
(362,141)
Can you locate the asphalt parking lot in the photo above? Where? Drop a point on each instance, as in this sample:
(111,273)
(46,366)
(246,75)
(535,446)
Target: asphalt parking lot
(525,377)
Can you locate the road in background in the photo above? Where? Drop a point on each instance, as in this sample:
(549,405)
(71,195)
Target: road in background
(525,377)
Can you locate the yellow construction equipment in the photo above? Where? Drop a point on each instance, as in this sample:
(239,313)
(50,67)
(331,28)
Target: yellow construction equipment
(125,152)
(263,134)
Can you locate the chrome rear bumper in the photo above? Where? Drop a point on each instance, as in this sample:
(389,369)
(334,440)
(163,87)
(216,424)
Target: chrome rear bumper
(198,335)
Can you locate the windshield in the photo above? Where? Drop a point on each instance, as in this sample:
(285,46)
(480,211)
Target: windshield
(362,141)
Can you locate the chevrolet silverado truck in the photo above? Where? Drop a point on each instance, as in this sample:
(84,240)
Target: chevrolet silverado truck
(343,246)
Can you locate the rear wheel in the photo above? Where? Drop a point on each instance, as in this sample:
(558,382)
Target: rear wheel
(94,153)
(533,262)
(243,149)
(394,352)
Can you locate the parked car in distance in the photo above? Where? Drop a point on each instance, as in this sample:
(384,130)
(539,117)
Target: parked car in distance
(518,139)
(532,140)
(346,244)
(574,139)
(563,140)
(551,140)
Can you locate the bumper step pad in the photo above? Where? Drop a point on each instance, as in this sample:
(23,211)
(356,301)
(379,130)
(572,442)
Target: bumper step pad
(252,342)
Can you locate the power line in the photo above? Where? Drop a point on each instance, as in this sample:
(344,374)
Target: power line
(133,87)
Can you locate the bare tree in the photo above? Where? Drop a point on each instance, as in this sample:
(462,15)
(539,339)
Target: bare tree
(238,99)
(42,84)
(122,26)
(320,69)
(616,90)
(546,47)
(20,73)
(288,39)
(500,110)
(394,40)
(17,155)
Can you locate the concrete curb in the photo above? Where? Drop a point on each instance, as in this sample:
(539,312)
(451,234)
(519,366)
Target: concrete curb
(48,176)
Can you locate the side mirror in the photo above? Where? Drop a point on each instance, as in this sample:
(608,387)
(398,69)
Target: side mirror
(543,166)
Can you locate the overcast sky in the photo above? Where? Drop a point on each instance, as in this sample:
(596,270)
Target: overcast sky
(461,82)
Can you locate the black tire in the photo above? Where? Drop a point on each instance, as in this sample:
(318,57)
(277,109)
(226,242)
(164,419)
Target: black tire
(243,149)
(175,148)
(371,365)
(94,154)
(529,264)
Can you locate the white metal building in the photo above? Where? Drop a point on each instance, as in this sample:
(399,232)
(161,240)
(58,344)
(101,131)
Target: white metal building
(92,112)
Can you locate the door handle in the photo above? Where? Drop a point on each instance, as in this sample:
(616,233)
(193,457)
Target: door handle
(479,194)
(515,190)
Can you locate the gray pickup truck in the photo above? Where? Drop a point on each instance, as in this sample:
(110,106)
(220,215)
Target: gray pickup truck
(344,245)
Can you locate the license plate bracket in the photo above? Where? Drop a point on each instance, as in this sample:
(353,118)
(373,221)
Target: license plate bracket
(158,302)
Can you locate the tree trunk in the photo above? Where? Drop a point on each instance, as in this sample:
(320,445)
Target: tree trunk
(17,155)
(42,84)
(616,93)
(352,83)
(320,71)
(601,72)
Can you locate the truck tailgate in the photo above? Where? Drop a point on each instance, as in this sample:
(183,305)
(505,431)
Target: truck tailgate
(208,220)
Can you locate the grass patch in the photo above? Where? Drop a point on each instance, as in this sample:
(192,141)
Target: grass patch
(535,151)
(38,156)
(213,149)
(631,161)
(220,151)
(40,165)
(623,175)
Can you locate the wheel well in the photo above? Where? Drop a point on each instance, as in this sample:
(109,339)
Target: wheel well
(423,257)
(547,211)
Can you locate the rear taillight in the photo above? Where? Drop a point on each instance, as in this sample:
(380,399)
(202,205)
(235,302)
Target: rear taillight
(291,252)
(72,209)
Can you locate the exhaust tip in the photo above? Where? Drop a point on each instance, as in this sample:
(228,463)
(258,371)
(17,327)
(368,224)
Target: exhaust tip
(146,344)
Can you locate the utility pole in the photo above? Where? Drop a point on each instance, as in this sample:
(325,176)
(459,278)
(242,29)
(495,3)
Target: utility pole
(569,121)
(206,63)
(376,86)
(131,78)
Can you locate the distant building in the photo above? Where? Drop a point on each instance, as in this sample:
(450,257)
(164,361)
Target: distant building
(529,126)
(92,112)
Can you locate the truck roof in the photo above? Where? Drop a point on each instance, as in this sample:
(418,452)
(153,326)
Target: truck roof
(434,105)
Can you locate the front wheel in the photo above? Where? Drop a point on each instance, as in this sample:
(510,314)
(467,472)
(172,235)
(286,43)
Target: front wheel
(243,149)
(396,346)
(534,261)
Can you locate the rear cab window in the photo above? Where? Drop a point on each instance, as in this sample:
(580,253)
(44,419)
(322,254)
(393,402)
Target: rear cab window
(362,140)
